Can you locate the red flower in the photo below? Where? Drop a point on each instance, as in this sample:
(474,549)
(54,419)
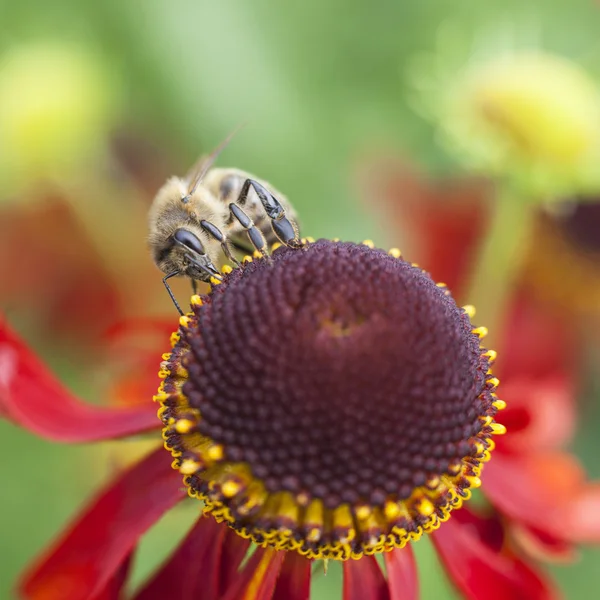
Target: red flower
(538,489)
(91,558)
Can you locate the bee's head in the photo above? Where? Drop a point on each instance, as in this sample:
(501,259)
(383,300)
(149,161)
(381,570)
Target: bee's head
(185,253)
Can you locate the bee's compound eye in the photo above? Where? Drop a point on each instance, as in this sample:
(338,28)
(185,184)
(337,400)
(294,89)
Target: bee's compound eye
(189,240)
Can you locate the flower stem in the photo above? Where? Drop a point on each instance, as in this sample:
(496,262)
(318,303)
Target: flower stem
(500,258)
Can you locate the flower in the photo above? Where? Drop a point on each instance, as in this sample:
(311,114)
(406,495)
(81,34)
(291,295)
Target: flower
(346,406)
(57,103)
(517,114)
(551,506)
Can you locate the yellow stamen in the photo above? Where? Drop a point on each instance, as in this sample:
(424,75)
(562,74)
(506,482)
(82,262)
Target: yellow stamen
(189,467)
(480,331)
(184,426)
(395,252)
(470,310)
(498,429)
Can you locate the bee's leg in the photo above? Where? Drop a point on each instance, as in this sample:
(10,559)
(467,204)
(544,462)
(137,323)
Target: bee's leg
(285,230)
(194,286)
(170,291)
(254,234)
(216,233)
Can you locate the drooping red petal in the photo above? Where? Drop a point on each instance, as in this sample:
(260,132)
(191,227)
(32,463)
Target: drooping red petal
(233,552)
(364,580)
(257,579)
(294,579)
(34,399)
(540,413)
(479,571)
(89,553)
(539,490)
(582,521)
(115,587)
(194,569)
(541,545)
(537,341)
(402,574)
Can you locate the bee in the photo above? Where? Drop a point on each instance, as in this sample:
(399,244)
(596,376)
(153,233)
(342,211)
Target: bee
(196,220)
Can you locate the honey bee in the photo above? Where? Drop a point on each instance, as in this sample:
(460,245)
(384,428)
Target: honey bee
(195,220)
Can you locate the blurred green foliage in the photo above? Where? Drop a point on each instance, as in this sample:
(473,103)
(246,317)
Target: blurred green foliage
(322,86)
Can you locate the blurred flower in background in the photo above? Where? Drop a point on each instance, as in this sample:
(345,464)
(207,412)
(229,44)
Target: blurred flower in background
(73,202)
(524,115)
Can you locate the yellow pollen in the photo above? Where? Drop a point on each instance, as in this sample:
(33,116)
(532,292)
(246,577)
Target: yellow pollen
(189,467)
(230,488)
(480,331)
(441,284)
(391,510)
(215,452)
(195,300)
(226,269)
(362,512)
(474,481)
(499,404)
(184,320)
(215,281)
(247,259)
(175,337)
(425,507)
(470,310)
(491,354)
(184,426)
(310,240)
(494,381)
(433,482)
(368,243)
(395,252)
(275,246)
(498,429)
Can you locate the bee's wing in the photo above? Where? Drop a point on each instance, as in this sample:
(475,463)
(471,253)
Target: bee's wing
(205,162)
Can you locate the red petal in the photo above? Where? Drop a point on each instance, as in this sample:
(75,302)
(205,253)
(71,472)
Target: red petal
(541,545)
(539,490)
(582,520)
(88,554)
(116,584)
(540,412)
(34,399)
(482,572)
(294,579)
(402,574)
(537,342)
(257,579)
(364,580)
(194,568)
(233,553)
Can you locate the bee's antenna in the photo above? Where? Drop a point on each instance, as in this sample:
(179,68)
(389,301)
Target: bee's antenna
(206,162)
(170,291)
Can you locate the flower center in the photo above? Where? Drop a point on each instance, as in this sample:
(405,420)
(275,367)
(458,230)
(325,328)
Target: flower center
(332,399)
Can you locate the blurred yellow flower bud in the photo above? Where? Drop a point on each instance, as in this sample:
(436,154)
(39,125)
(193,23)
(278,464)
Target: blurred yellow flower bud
(57,102)
(530,117)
